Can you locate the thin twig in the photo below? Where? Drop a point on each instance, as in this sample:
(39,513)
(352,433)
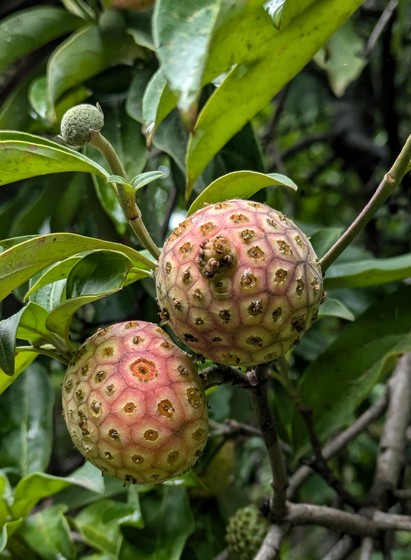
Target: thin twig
(387,186)
(271,545)
(319,464)
(367,547)
(339,442)
(342,549)
(379,27)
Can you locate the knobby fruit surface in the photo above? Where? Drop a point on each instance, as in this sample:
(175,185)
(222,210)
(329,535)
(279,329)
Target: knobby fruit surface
(80,123)
(238,282)
(134,404)
(245,533)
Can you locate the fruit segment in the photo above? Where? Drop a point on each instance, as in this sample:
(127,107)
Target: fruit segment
(134,404)
(239,283)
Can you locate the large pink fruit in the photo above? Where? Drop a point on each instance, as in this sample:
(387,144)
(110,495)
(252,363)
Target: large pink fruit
(238,282)
(134,404)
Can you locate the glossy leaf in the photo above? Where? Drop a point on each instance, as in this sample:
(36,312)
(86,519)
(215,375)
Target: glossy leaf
(24,155)
(19,263)
(239,184)
(97,275)
(26,427)
(342,376)
(88,52)
(183,31)
(158,102)
(370,272)
(32,325)
(103,531)
(22,361)
(27,30)
(47,533)
(342,58)
(55,273)
(248,87)
(335,308)
(144,179)
(159,527)
(33,488)
(8,330)
(7,530)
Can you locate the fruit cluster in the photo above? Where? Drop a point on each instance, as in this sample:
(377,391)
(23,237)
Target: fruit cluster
(238,283)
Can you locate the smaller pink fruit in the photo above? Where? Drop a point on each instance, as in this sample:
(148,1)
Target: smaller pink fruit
(134,404)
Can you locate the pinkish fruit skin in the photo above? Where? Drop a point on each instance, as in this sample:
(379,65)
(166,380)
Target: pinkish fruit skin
(134,404)
(239,283)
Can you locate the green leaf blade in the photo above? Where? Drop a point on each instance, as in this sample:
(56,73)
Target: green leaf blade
(342,376)
(239,184)
(249,86)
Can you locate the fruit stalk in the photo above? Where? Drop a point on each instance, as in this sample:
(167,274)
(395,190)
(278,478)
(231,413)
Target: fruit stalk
(387,186)
(125,194)
(272,441)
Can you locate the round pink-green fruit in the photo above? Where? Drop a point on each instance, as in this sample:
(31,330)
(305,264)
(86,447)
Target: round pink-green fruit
(239,283)
(134,404)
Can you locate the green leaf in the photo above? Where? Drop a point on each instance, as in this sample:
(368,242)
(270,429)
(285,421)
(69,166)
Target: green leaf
(33,488)
(158,102)
(21,363)
(183,31)
(22,261)
(8,331)
(88,476)
(342,59)
(97,275)
(342,376)
(26,30)
(100,523)
(88,52)
(55,273)
(26,427)
(24,155)
(249,86)
(370,272)
(7,530)
(284,11)
(335,308)
(164,536)
(32,326)
(239,184)
(47,533)
(144,179)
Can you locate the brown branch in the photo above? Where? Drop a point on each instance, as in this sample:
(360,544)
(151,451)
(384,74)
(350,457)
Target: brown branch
(269,433)
(218,375)
(367,547)
(319,464)
(344,522)
(342,549)
(339,442)
(391,457)
(271,545)
(380,26)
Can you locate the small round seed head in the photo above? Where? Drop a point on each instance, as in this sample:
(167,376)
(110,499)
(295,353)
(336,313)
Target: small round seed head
(245,533)
(80,123)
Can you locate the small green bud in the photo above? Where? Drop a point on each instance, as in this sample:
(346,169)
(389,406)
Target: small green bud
(80,123)
(245,533)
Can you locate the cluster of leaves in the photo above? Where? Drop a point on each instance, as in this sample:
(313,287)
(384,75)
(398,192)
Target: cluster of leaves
(178,86)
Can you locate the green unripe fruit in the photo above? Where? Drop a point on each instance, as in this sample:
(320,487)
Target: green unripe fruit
(246,530)
(80,123)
